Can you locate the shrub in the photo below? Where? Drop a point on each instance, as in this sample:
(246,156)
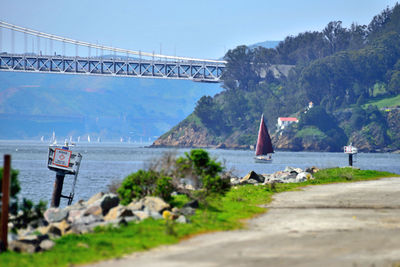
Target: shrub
(216,184)
(144,183)
(26,212)
(164,187)
(204,171)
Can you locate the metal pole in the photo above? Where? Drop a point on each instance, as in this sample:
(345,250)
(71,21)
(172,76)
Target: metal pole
(58,185)
(5,202)
(350,159)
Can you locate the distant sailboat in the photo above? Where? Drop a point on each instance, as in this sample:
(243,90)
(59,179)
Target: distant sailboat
(98,140)
(264,144)
(121,139)
(79,139)
(70,139)
(42,138)
(88,138)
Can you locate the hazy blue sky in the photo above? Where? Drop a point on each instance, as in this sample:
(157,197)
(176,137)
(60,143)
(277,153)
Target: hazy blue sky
(203,29)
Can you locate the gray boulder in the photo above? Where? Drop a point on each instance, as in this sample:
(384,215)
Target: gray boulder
(155,204)
(136,205)
(46,244)
(181,219)
(86,220)
(187,211)
(254,176)
(304,176)
(55,215)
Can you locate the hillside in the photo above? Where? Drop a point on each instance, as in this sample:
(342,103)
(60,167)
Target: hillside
(351,75)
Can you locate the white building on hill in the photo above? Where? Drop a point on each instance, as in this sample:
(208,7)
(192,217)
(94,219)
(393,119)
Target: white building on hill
(285,121)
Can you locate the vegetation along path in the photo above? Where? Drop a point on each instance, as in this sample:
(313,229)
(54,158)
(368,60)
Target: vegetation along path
(344,224)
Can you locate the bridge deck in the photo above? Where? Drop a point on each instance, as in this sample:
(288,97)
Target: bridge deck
(116,66)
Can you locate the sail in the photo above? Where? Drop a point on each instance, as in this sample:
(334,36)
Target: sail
(264,144)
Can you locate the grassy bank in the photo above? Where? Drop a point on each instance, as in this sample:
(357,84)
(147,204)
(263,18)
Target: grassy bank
(224,213)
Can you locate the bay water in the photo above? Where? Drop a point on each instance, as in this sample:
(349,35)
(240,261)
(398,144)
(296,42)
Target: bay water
(103,163)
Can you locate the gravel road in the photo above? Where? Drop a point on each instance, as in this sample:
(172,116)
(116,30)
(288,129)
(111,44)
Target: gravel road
(352,224)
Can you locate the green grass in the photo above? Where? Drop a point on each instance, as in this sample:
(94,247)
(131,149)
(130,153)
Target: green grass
(222,213)
(386,102)
(311,131)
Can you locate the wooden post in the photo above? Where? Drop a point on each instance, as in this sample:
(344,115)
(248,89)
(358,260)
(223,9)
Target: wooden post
(350,159)
(58,186)
(5,202)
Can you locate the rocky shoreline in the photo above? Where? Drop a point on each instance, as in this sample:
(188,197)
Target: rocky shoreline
(104,209)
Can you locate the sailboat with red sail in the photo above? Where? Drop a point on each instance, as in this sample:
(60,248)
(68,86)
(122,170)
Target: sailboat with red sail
(264,147)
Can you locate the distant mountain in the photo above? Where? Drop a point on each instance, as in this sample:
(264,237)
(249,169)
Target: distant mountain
(34,105)
(266,44)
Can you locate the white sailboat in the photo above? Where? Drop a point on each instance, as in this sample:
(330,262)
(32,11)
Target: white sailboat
(88,138)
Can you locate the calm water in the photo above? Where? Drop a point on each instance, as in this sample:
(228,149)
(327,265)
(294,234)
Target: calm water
(105,162)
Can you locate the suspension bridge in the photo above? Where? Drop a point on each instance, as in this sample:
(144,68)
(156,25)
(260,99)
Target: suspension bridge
(49,54)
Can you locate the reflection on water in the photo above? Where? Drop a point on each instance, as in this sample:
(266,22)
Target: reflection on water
(105,162)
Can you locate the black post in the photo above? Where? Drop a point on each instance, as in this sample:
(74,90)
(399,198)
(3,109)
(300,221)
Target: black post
(350,159)
(58,186)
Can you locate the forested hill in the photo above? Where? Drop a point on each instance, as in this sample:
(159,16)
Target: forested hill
(348,74)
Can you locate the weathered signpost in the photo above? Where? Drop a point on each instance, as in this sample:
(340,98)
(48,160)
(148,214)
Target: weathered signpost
(350,150)
(64,162)
(5,202)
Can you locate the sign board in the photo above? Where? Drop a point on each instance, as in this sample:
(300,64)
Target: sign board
(350,150)
(62,157)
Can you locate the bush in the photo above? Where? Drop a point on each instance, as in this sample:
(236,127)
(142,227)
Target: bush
(216,184)
(25,213)
(164,187)
(203,171)
(144,183)
(14,190)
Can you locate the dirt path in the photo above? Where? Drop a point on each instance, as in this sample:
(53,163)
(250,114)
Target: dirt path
(354,224)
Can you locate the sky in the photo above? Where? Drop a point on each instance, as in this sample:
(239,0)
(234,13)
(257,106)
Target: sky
(202,29)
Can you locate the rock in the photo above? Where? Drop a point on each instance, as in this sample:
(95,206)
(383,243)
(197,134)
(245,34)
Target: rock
(293,170)
(94,209)
(235,181)
(84,228)
(86,220)
(55,215)
(193,204)
(187,211)
(142,215)
(136,205)
(312,170)
(19,246)
(77,206)
(94,198)
(251,181)
(28,244)
(64,226)
(46,244)
(175,210)
(254,176)
(53,231)
(181,219)
(118,212)
(304,176)
(75,214)
(155,204)
(155,215)
(108,202)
